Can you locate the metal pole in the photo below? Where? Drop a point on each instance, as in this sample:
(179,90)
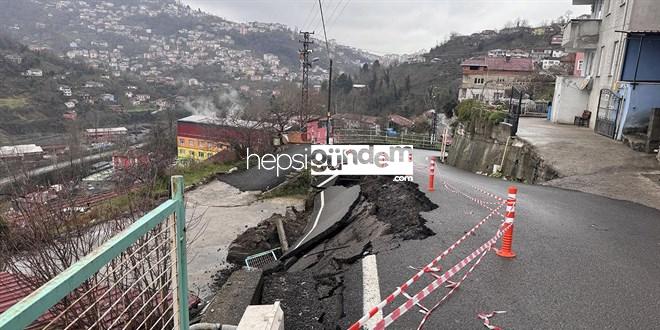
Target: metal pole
(281,234)
(327,123)
(444,144)
(181,264)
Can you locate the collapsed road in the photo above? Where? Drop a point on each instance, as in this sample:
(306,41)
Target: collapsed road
(371,216)
(582,260)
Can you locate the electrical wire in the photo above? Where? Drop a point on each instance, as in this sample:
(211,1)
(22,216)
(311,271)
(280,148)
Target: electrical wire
(319,20)
(325,34)
(310,16)
(340,13)
(333,12)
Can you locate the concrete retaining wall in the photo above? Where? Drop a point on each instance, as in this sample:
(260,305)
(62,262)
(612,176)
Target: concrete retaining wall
(483,147)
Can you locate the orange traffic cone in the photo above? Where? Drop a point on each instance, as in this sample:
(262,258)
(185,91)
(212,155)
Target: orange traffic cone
(432,175)
(506,250)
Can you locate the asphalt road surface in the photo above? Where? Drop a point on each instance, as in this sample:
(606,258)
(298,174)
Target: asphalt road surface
(583,261)
(330,206)
(256,178)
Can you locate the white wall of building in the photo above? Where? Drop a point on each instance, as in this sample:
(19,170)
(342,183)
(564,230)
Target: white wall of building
(569,100)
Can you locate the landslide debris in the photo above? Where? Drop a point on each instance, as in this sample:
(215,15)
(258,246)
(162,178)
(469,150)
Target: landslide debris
(264,237)
(311,289)
(398,204)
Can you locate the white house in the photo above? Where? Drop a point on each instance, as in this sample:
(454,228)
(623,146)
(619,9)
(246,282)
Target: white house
(548,63)
(620,82)
(34,73)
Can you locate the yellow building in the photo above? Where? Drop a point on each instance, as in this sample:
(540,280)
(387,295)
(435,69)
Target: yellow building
(198,149)
(198,139)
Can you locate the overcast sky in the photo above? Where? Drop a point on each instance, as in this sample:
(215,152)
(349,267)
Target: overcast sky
(391,26)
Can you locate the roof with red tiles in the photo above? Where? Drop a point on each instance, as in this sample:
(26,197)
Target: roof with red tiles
(401,121)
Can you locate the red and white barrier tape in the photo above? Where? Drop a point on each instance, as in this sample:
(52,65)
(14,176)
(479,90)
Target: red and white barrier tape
(472,198)
(394,315)
(487,193)
(453,288)
(428,268)
(487,316)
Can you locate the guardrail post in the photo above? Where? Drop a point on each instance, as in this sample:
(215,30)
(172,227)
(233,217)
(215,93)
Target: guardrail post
(181,298)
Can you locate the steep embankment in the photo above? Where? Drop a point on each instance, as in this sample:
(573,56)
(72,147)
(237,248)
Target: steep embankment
(478,146)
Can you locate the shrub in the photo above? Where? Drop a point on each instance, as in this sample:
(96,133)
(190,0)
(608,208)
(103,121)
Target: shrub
(468,110)
(496,117)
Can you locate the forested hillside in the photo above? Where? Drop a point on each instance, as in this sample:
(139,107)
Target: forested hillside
(411,88)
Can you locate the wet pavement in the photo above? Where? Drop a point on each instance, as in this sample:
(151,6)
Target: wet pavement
(593,163)
(255,178)
(583,261)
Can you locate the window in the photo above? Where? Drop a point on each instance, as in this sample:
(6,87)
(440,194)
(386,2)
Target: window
(580,65)
(478,80)
(597,10)
(600,60)
(463,92)
(615,57)
(182,142)
(200,154)
(641,66)
(209,155)
(191,142)
(590,64)
(474,67)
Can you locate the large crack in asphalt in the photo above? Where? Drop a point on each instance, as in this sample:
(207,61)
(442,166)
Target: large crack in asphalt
(311,284)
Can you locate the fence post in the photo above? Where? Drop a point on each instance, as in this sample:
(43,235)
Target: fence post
(181,261)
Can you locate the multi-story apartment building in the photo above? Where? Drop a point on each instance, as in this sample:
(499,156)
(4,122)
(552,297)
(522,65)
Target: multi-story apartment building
(620,82)
(487,78)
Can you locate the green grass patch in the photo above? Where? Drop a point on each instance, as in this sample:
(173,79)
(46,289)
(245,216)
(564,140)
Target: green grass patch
(298,186)
(141,108)
(196,172)
(13,102)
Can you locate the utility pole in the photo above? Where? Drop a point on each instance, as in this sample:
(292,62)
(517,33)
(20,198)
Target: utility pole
(306,65)
(327,122)
(434,127)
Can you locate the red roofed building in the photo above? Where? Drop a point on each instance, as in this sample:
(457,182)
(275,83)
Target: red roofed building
(399,123)
(12,290)
(486,78)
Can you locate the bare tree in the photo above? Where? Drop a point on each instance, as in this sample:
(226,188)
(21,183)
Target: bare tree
(49,229)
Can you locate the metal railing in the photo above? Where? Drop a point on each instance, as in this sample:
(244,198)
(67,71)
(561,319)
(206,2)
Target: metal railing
(135,280)
(262,259)
(357,136)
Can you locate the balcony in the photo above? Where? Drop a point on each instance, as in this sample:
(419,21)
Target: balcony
(581,34)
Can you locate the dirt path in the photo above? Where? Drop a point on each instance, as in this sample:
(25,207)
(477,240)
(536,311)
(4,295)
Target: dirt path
(217,213)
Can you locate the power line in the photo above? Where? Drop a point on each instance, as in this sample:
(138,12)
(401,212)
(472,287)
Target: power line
(325,34)
(310,16)
(334,11)
(327,48)
(320,19)
(340,13)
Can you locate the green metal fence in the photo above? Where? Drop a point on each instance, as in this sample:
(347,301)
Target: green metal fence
(135,280)
(361,136)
